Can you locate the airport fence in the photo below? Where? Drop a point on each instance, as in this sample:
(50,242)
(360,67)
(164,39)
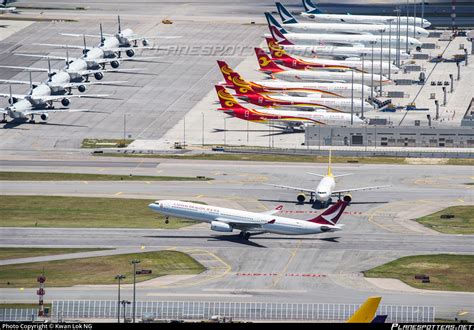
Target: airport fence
(242,311)
(18,314)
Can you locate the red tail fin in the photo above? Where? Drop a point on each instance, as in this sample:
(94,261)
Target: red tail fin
(226,71)
(241,86)
(228,102)
(275,49)
(279,37)
(265,62)
(332,214)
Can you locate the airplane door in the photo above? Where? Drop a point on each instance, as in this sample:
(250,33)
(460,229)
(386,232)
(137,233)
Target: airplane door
(247,113)
(260,100)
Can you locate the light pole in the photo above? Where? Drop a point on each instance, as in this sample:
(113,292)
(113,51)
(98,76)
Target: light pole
(125,303)
(381,50)
(225,130)
(119,277)
(408,15)
(202,129)
(124,125)
(414,18)
(389,49)
(362,85)
(372,74)
(134,263)
(352,97)
(184,132)
(398,10)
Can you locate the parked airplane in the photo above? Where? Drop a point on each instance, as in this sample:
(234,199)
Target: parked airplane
(338,52)
(251,223)
(332,89)
(280,56)
(273,70)
(124,40)
(291,24)
(290,121)
(284,37)
(26,106)
(313,12)
(307,103)
(325,190)
(4,8)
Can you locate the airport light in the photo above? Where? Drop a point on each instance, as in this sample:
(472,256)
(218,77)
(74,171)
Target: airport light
(352,97)
(422,12)
(414,18)
(397,56)
(125,303)
(362,85)
(202,131)
(381,71)
(452,82)
(408,15)
(225,130)
(372,74)
(184,132)
(389,49)
(134,263)
(119,277)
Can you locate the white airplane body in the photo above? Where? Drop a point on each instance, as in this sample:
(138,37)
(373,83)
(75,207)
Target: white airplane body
(312,12)
(291,24)
(309,102)
(343,52)
(325,189)
(5,9)
(226,220)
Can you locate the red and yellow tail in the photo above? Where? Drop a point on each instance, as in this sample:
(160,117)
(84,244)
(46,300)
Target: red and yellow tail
(228,102)
(266,64)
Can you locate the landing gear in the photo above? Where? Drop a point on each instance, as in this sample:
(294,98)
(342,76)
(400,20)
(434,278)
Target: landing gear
(167,220)
(4,120)
(244,235)
(32,119)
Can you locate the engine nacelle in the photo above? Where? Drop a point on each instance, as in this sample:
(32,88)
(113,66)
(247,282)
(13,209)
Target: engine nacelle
(145,42)
(347,198)
(98,75)
(130,52)
(85,51)
(220,226)
(65,102)
(12,100)
(81,88)
(115,64)
(44,116)
(301,197)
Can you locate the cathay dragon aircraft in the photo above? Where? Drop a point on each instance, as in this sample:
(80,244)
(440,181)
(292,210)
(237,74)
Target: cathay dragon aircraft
(251,223)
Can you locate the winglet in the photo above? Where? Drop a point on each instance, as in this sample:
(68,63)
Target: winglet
(366,312)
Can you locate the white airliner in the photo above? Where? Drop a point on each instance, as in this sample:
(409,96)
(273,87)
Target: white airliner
(284,37)
(250,223)
(291,24)
(325,189)
(342,52)
(4,8)
(269,67)
(313,12)
(302,88)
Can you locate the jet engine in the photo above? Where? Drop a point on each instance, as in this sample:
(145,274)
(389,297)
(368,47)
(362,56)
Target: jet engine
(98,75)
(115,64)
(12,100)
(220,226)
(347,198)
(325,229)
(65,102)
(130,52)
(145,42)
(44,116)
(301,197)
(81,88)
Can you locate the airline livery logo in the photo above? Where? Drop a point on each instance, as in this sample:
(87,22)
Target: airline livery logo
(242,85)
(264,61)
(228,99)
(226,71)
(329,217)
(275,49)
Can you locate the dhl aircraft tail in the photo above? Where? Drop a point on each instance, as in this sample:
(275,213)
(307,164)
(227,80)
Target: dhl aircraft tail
(366,312)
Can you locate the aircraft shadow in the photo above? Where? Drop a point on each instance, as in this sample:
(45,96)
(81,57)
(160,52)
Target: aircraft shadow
(15,124)
(313,205)
(228,238)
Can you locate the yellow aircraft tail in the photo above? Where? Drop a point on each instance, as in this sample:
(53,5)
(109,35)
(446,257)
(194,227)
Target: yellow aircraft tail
(329,165)
(366,312)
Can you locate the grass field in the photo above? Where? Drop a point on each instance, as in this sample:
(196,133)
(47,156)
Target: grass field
(82,212)
(284,158)
(42,176)
(14,253)
(462,223)
(98,270)
(447,272)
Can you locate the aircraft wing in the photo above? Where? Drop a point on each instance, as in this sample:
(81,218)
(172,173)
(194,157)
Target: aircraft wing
(21,82)
(88,72)
(291,188)
(87,35)
(16,96)
(61,46)
(155,37)
(26,68)
(358,189)
(52,57)
(50,98)
(240,223)
(77,84)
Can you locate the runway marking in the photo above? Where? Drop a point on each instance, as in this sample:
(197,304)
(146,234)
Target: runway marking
(159,171)
(460,200)
(85,182)
(293,254)
(118,194)
(101,169)
(198,295)
(147,182)
(378,224)
(199,196)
